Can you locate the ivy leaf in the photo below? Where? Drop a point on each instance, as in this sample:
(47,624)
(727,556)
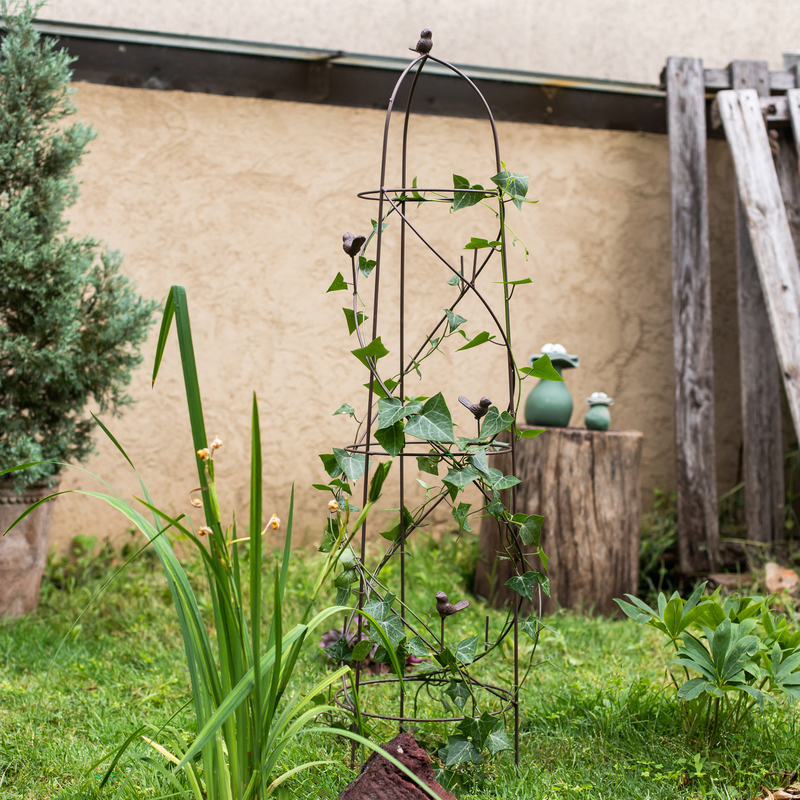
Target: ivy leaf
(380,609)
(342,595)
(543,368)
(361,650)
(340,650)
(391,410)
(481,338)
(465,652)
(366,266)
(523,584)
(480,244)
(447,659)
(376,387)
(458,692)
(513,184)
(495,421)
(338,284)
(375,225)
(374,350)
(495,508)
(455,280)
(460,478)
(433,423)
(347,577)
(530,530)
(351,319)
(393,534)
(460,750)
(345,408)
(351,465)
(378,479)
(331,465)
(460,513)
(530,434)
(417,647)
(465,199)
(454,320)
(530,626)
(480,462)
(505,482)
(392,439)
(429,464)
(497,739)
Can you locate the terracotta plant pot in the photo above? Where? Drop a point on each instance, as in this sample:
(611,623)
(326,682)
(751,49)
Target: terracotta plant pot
(23,550)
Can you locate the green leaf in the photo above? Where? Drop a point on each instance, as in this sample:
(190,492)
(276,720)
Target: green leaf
(340,650)
(331,465)
(345,408)
(481,338)
(495,508)
(429,464)
(351,319)
(453,320)
(460,514)
(361,650)
(366,265)
(166,322)
(524,584)
(505,482)
(374,350)
(338,284)
(375,225)
(465,199)
(481,244)
(530,626)
(377,481)
(391,410)
(497,739)
(389,383)
(513,184)
(342,595)
(417,647)
(393,534)
(495,421)
(415,194)
(465,652)
(391,439)
(434,423)
(456,690)
(346,577)
(455,280)
(530,530)
(542,368)
(530,434)
(352,465)
(460,750)
(460,478)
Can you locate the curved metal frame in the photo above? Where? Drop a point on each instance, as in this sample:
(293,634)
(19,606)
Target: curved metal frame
(365,445)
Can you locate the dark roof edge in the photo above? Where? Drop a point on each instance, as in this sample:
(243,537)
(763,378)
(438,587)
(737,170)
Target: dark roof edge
(152,60)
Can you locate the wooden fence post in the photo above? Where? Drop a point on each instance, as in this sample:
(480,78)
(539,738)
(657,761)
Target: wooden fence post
(698,524)
(760,379)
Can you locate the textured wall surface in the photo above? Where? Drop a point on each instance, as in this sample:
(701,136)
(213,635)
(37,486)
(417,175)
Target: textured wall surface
(619,39)
(244,201)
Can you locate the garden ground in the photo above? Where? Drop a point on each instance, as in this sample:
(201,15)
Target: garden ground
(596,720)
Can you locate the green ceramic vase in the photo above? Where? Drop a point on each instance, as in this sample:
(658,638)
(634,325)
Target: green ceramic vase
(550,403)
(598,417)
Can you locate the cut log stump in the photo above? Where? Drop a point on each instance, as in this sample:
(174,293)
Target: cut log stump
(586,485)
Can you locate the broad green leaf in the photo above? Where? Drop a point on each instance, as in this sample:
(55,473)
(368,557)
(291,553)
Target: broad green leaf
(351,319)
(530,434)
(505,482)
(497,739)
(460,478)
(530,530)
(393,534)
(453,320)
(346,577)
(417,647)
(345,408)
(365,265)
(455,280)
(460,515)
(464,199)
(542,368)
(392,410)
(331,465)
(434,423)
(340,650)
(374,350)
(338,284)
(495,508)
(480,244)
(530,626)
(460,750)
(392,439)
(361,650)
(481,338)
(495,421)
(456,690)
(352,465)
(465,652)
(513,184)
(389,383)
(524,584)
(428,464)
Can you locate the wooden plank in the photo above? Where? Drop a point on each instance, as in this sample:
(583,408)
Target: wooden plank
(719,79)
(769,231)
(586,484)
(698,526)
(793,106)
(760,383)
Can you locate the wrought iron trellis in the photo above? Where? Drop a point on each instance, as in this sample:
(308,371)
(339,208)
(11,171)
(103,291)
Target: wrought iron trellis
(395,202)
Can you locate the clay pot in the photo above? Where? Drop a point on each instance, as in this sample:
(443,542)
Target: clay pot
(23,550)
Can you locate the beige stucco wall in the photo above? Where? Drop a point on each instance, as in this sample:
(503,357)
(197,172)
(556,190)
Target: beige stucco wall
(619,39)
(245,201)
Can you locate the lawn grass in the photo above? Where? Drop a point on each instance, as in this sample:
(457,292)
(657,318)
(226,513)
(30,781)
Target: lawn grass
(595,717)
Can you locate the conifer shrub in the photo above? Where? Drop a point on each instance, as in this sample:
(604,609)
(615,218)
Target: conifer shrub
(71,324)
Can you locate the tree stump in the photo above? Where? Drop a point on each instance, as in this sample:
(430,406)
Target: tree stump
(586,486)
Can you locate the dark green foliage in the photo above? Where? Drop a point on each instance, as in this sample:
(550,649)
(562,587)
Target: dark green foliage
(70,323)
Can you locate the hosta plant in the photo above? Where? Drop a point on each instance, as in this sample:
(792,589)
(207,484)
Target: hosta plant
(731,654)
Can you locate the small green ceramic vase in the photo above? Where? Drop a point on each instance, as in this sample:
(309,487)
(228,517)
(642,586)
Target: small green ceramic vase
(550,402)
(598,417)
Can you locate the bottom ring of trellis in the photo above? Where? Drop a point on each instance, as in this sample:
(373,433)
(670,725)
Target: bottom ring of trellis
(430,677)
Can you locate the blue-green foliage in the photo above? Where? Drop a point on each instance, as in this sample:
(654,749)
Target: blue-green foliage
(70,323)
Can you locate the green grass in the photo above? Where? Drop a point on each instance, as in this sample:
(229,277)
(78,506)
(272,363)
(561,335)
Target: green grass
(596,720)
